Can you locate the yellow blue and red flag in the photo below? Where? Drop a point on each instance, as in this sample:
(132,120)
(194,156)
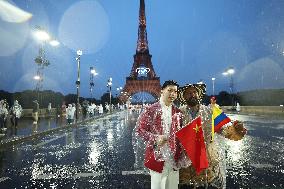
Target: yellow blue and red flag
(219,119)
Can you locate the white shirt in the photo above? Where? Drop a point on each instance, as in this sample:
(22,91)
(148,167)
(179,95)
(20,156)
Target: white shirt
(166,117)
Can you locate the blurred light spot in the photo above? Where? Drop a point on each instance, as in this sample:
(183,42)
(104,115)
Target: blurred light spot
(94,153)
(262,73)
(11,13)
(235,148)
(54,43)
(110,137)
(85,26)
(12,37)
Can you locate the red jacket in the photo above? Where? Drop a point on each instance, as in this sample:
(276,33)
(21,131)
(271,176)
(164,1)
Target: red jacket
(150,127)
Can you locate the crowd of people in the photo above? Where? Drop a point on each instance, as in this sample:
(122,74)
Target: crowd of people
(14,113)
(87,109)
(65,112)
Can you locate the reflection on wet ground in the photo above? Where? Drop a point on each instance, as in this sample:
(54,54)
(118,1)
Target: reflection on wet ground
(26,127)
(100,155)
(258,160)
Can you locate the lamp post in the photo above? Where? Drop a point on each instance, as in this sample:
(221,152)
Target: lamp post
(213,85)
(229,72)
(118,89)
(109,84)
(37,78)
(78,58)
(43,37)
(92,74)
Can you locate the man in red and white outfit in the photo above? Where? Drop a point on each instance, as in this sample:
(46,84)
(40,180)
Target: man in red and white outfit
(157,125)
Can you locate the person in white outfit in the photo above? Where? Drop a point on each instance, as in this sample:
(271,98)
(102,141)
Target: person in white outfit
(157,126)
(49,109)
(238,108)
(101,109)
(3,114)
(16,112)
(70,112)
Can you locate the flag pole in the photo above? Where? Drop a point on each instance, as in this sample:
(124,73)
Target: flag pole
(212,126)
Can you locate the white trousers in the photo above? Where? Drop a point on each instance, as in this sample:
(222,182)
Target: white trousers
(168,179)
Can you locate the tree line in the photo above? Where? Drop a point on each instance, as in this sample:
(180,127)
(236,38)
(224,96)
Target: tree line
(258,97)
(261,97)
(26,98)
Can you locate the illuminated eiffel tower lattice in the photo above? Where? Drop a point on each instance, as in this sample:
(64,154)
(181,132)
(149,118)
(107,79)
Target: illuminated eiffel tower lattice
(142,76)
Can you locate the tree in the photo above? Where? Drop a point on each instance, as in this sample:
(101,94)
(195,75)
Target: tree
(105,99)
(224,99)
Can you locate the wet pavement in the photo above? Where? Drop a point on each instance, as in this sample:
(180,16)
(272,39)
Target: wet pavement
(99,154)
(26,127)
(258,160)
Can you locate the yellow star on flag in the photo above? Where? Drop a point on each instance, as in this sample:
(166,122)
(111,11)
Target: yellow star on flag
(197,128)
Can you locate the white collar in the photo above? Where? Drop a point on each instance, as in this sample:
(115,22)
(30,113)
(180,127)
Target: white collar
(163,105)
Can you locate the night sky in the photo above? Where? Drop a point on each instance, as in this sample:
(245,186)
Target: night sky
(190,41)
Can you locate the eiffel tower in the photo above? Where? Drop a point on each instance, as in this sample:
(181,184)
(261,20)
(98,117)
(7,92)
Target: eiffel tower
(142,76)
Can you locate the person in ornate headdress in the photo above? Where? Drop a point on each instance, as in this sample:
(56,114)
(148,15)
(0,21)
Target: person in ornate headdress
(157,126)
(191,96)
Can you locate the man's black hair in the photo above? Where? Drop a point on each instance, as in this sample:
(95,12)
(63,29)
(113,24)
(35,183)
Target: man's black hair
(169,82)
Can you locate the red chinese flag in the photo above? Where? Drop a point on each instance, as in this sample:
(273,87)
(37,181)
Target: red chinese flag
(192,140)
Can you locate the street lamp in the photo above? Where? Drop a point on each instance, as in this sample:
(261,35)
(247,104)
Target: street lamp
(42,36)
(92,74)
(36,77)
(93,71)
(78,58)
(54,43)
(109,84)
(213,85)
(38,80)
(229,72)
(118,89)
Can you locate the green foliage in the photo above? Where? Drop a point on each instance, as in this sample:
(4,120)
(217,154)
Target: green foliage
(260,97)
(27,97)
(263,97)
(105,99)
(223,99)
